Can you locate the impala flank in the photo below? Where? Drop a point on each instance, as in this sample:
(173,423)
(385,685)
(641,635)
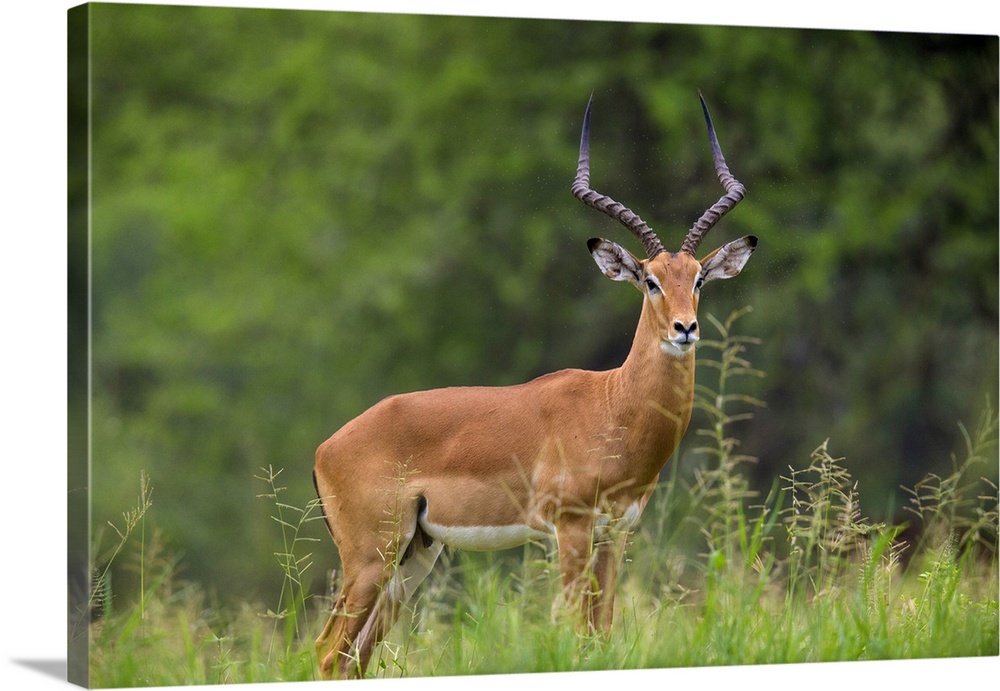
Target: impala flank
(573,454)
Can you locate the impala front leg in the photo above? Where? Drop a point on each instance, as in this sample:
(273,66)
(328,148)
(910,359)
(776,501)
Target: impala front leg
(608,555)
(589,560)
(575,534)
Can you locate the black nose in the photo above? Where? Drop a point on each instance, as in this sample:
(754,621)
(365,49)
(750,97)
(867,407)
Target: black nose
(686,330)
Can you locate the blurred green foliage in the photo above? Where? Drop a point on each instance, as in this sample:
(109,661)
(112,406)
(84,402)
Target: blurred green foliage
(295,214)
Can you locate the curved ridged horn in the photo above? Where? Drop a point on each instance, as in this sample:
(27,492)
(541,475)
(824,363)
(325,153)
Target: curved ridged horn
(735,191)
(604,204)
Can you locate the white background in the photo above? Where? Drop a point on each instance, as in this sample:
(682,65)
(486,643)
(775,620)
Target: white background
(32,298)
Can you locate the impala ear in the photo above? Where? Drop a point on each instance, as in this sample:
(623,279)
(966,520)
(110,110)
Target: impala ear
(728,260)
(615,261)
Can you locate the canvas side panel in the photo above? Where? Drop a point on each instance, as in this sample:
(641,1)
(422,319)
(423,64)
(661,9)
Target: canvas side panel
(78,329)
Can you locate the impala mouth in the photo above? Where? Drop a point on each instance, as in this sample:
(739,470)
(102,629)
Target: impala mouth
(680,345)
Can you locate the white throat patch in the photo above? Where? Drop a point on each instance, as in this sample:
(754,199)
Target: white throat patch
(678,349)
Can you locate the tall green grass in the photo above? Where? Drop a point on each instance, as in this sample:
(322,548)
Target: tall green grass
(715,574)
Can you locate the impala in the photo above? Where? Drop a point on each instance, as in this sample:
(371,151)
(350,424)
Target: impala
(573,454)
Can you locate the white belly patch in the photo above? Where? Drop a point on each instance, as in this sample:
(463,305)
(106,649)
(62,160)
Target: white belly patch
(483,537)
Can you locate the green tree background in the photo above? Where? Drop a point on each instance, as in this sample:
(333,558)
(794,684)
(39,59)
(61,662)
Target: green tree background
(296,213)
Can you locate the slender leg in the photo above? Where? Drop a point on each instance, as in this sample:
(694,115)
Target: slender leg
(335,647)
(609,553)
(588,565)
(333,631)
(394,596)
(575,533)
(367,607)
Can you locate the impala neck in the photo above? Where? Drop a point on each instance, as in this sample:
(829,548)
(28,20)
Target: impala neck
(652,395)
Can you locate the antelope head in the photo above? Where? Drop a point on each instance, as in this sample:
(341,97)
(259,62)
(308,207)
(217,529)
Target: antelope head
(670,281)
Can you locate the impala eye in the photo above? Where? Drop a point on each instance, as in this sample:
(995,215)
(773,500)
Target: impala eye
(698,283)
(652,285)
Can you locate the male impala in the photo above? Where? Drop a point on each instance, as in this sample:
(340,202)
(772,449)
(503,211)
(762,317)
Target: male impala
(574,454)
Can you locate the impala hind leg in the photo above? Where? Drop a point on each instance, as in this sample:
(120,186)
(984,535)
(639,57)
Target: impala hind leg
(415,565)
(369,605)
(353,608)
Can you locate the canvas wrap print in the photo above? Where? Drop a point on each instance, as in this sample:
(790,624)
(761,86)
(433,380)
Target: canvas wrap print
(351,393)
